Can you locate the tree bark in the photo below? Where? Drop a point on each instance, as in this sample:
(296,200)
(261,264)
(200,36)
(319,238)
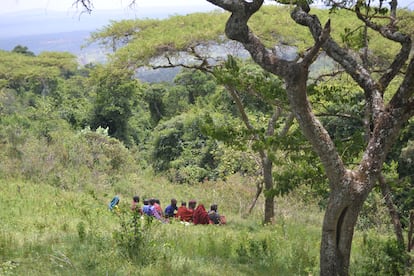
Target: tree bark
(410,245)
(269,194)
(337,234)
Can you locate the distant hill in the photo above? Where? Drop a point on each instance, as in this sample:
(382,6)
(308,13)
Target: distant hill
(49,30)
(58,42)
(35,22)
(44,21)
(61,42)
(71,41)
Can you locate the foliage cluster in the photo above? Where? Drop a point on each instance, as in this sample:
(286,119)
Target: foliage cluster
(383,256)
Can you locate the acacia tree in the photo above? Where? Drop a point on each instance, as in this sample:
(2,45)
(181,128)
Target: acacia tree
(349,186)
(269,93)
(255,91)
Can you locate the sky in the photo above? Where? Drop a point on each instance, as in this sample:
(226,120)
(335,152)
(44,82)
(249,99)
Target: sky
(8,6)
(32,17)
(29,17)
(141,6)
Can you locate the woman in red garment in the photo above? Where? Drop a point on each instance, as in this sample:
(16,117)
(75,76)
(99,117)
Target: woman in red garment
(201,216)
(184,213)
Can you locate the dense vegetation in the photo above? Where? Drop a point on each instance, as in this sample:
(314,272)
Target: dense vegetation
(71,137)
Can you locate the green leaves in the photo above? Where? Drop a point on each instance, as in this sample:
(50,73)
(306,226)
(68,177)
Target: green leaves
(22,50)
(115,94)
(354,38)
(340,107)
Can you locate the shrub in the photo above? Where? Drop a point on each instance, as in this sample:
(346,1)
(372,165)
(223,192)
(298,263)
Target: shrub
(382,257)
(134,237)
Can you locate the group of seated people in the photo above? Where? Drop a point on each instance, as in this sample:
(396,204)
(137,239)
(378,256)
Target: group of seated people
(190,214)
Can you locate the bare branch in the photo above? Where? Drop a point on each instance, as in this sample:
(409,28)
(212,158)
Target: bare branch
(271,125)
(340,115)
(203,64)
(87,5)
(288,124)
(373,93)
(332,74)
(404,97)
(390,32)
(313,52)
(236,97)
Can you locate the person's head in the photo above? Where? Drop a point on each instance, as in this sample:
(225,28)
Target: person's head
(157,201)
(146,202)
(192,204)
(152,201)
(183,203)
(135,198)
(173,202)
(213,207)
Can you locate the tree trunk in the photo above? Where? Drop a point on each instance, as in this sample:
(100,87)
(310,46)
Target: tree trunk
(259,189)
(269,194)
(337,233)
(269,209)
(267,164)
(410,245)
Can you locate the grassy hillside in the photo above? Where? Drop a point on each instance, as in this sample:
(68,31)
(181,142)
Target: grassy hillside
(50,231)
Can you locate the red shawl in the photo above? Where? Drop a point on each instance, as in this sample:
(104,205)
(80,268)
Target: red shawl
(201,215)
(184,213)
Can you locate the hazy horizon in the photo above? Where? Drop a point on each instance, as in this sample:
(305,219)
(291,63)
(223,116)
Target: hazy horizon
(10,6)
(39,21)
(32,17)
(21,26)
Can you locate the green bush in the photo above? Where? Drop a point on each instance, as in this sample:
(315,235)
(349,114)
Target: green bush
(134,238)
(382,257)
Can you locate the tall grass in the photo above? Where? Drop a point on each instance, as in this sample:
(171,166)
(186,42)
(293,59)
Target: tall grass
(50,231)
(47,230)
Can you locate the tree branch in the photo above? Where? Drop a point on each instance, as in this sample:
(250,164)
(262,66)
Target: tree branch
(361,75)
(271,125)
(237,29)
(86,4)
(404,96)
(340,115)
(294,73)
(332,74)
(390,32)
(313,52)
(235,95)
(288,124)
